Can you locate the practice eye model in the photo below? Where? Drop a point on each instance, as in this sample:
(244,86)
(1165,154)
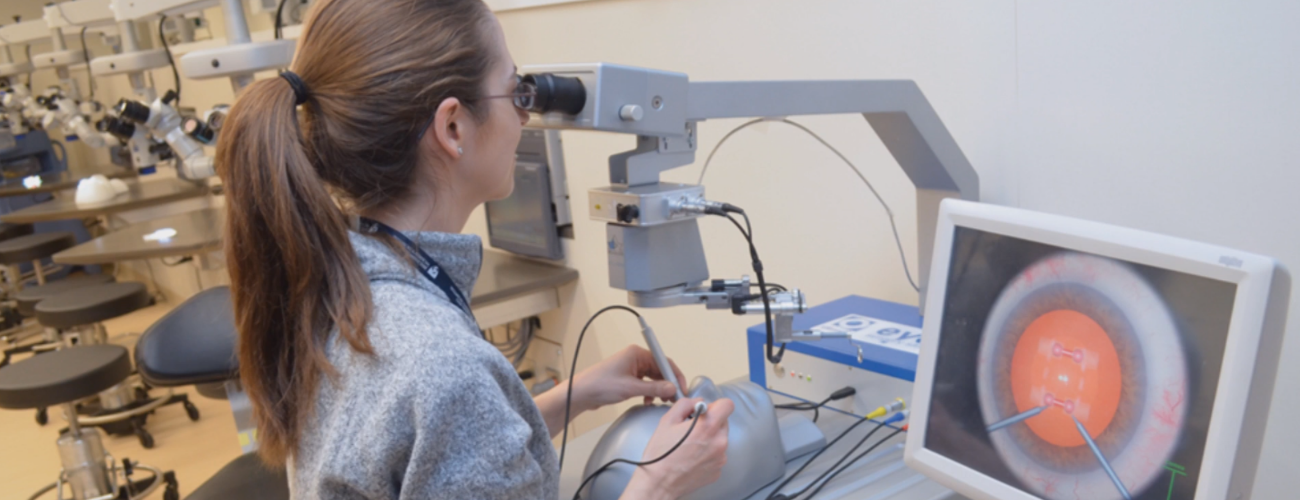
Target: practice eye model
(1089,347)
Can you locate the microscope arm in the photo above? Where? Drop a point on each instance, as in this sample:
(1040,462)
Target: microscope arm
(133,10)
(662,108)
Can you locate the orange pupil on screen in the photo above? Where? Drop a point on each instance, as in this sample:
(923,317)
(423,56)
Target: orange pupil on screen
(1066,361)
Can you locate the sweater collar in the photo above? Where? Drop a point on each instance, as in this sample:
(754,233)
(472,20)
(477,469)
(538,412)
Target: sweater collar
(459,255)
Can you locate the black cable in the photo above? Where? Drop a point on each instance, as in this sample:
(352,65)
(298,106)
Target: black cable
(843,392)
(27,49)
(748,231)
(178,262)
(851,462)
(175,74)
(85,52)
(776,491)
(796,494)
(815,407)
(568,397)
(279,25)
(695,419)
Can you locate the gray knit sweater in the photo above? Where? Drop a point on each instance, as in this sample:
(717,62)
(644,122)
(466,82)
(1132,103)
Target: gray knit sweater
(436,412)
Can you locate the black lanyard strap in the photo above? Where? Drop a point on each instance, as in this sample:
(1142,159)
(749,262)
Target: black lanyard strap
(429,267)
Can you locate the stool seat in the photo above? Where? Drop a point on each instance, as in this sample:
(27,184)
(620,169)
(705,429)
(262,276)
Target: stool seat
(32,295)
(192,344)
(63,376)
(245,477)
(34,247)
(8,231)
(92,304)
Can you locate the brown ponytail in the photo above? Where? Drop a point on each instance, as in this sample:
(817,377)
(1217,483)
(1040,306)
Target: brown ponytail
(376,71)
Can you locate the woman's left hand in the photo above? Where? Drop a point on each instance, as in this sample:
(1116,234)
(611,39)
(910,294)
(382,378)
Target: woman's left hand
(623,376)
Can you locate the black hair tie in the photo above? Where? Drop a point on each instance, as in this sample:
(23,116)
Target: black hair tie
(300,92)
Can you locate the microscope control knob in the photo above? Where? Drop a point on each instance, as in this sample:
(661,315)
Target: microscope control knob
(627,213)
(631,113)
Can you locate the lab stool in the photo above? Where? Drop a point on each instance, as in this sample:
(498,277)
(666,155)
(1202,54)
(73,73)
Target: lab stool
(123,408)
(19,243)
(194,344)
(31,248)
(10,231)
(25,306)
(61,378)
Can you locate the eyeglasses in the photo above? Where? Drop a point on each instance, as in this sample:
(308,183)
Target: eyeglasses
(524,96)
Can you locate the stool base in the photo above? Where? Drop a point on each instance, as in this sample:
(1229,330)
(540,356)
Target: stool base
(90,473)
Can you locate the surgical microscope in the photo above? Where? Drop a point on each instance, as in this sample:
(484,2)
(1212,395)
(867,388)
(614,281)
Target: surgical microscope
(239,60)
(653,240)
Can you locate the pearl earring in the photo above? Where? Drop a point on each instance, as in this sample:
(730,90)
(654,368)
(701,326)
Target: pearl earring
(460,150)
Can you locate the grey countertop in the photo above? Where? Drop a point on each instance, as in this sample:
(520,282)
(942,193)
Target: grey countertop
(196,232)
(58,181)
(503,276)
(140,195)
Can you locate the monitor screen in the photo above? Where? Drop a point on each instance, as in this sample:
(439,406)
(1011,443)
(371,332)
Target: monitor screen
(1070,375)
(524,223)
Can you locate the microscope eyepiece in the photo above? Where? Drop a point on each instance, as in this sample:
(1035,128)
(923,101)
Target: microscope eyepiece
(556,93)
(199,130)
(133,110)
(121,129)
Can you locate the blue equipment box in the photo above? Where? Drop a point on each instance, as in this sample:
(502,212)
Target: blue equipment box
(879,360)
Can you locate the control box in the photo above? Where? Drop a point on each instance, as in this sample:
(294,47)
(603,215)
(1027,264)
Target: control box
(878,359)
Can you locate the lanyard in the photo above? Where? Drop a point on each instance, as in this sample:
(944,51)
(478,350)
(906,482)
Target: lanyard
(430,268)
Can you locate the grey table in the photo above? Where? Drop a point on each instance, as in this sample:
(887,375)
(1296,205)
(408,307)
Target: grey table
(196,232)
(509,288)
(882,475)
(58,181)
(140,195)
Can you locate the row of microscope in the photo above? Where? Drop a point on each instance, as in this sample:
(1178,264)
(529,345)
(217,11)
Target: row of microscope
(147,128)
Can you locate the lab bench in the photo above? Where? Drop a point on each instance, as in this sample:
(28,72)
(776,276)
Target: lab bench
(139,195)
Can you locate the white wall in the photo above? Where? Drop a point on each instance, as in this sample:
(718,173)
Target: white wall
(1167,116)
(1174,117)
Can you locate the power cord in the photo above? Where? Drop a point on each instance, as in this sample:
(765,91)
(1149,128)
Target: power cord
(855,459)
(279,23)
(816,407)
(893,406)
(27,50)
(888,211)
(748,232)
(832,471)
(85,52)
(568,397)
(167,49)
(700,408)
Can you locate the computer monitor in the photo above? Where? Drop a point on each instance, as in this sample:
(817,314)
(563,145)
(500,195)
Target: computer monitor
(531,220)
(1065,359)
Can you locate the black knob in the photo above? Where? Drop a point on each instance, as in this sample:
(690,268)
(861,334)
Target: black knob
(135,111)
(556,93)
(627,213)
(199,130)
(170,97)
(121,129)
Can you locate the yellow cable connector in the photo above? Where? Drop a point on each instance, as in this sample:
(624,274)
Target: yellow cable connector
(894,406)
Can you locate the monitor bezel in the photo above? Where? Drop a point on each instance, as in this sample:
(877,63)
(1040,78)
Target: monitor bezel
(1253,275)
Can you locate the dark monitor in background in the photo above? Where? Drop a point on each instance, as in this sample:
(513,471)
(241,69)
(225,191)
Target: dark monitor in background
(531,221)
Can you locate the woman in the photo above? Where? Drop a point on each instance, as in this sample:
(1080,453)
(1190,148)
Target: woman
(367,372)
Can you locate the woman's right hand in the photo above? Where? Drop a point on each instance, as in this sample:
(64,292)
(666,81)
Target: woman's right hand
(696,463)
